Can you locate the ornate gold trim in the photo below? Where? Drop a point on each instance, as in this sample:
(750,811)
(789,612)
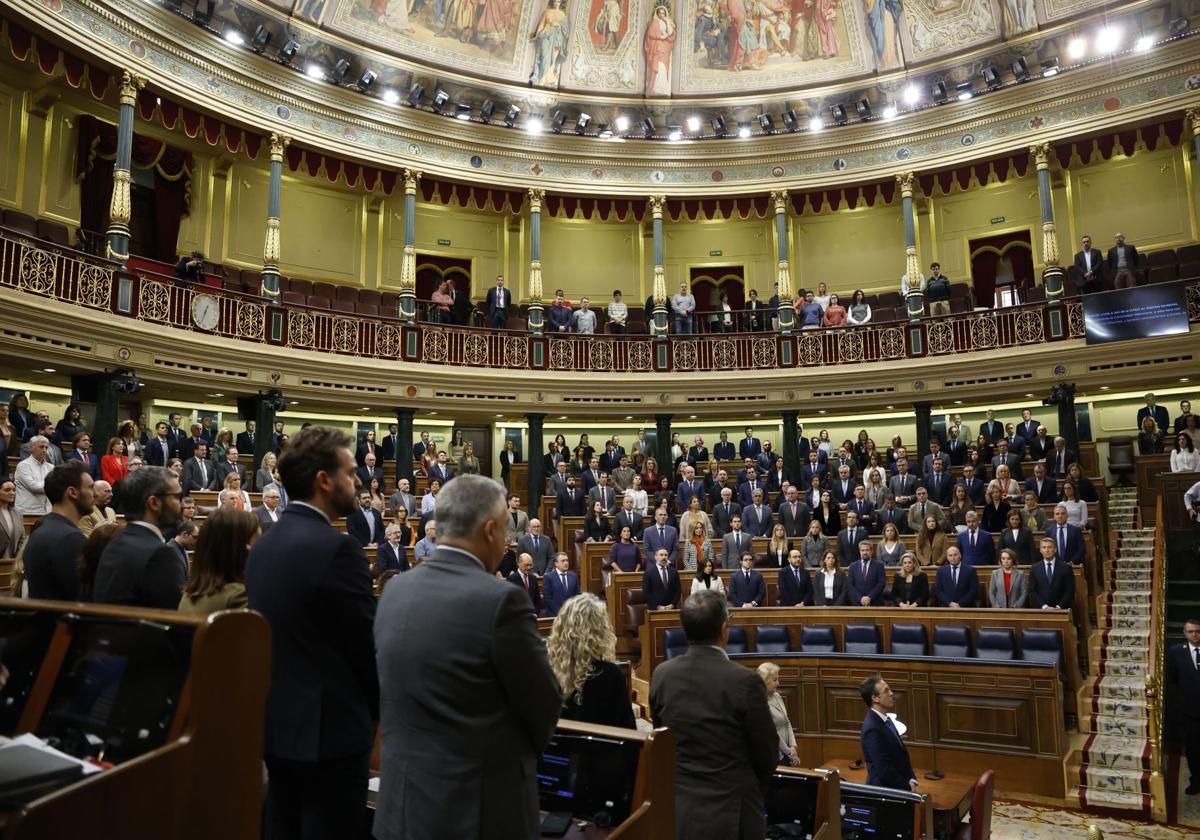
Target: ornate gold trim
(279,144)
(271,244)
(131,83)
(411,178)
(1040,153)
(119,207)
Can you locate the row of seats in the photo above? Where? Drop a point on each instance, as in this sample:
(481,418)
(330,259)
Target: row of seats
(949,640)
(50,231)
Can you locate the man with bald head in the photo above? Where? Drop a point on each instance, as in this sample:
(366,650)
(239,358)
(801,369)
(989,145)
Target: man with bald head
(537,546)
(1122,263)
(101,512)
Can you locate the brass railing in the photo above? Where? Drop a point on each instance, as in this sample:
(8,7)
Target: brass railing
(1154,680)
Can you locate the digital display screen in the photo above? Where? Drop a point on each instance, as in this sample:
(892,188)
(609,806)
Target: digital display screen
(1140,312)
(875,813)
(791,804)
(590,777)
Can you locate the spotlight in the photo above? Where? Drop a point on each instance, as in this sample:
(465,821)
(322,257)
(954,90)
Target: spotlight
(647,127)
(839,114)
(1076,48)
(486,110)
(462,112)
(743,130)
(766,123)
(863,107)
(234,37)
(1049,68)
(340,70)
(816,124)
(315,71)
(557,122)
(622,124)
(718,125)
(912,95)
(604,132)
(1144,43)
(582,122)
(965,92)
(415,94)
(1020,70)
(440,98)
(391,97)
(534,125)
(202,14)
(693,124)
(125,381)
(991,77)
(789,120)
(1108,39)
(674,133)
(1180,25)
(262,37)
(366,80)
(510,116)
(938,92)
(289,51)
(890,111)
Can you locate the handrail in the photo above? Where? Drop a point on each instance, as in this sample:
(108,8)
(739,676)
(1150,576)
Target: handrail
(1154,680)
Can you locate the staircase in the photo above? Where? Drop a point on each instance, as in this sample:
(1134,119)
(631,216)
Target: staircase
(1113,766)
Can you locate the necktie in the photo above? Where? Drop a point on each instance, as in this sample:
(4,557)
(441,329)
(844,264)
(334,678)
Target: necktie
(891,726)
(738,541)
(514,515)
(937,480)
(972,539)
(663,571)
(535,543)
(563,580)
(1062,541)
(1049,571)
(793,511)
(1196,653)
(864,569)
(203,472)
(525,581)
(954,575)
(727,508)
(661,534)
(747,576)
(922,512)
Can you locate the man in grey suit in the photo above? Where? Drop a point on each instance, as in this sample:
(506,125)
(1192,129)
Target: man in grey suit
(198,472)
(660,535)
(726,745)
(903,485)
(402,498)
(535,544)
(605,493)
(922,508)
(724,511)
(469,703)
(231,465)
(517,519)
(794,515)
(734,543)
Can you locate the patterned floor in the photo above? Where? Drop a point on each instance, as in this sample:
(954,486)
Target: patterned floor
(1024,821)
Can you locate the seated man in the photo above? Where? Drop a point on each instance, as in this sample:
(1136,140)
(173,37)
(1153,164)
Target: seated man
(956,584)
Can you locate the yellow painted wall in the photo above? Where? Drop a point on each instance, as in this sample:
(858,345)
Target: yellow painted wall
(686,245)
(859,249)
(959,218)
(474,235)
(12,164)
(591,258)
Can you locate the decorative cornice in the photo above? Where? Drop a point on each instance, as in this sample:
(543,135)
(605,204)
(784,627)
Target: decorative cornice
(536,197)
(279,144)
(905,182)
(780,199)
(657,203)
(1041,155)
(131,83)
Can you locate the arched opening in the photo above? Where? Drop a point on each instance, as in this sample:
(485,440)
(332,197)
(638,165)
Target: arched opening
(707,286)
(1002,262)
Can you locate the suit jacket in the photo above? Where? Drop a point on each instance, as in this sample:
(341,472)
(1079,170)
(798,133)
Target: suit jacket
(888,764)
(441,472)
(795,526)
(724,451)
(187,447)
(903,486)
(357,526)
(871,584)
(389,447)
(984,551)
(1159,414)
(927,463)
(556,594)
(570,503)
(1013,462)
(841,590)
(697,454)
(685,491)
(531,586)
(656,594)
(1049,491)
(993,430)
(1058,591)
(245,443)
(494,300)
(543,555)
(795,589)
(224,468)
(1131,259)
(365,475)
(520,528)
(847,544)
(842,493)
(1181,675)
(1069,457)
(1017,444)
(727,743)
(1039,448)
(943,491)
(749,448)
(265,522)
(91,462)
(595,495)
(957,450)
(388,557)
(809,470)
(966,594)
(730,550)
(975,489)
(743,592)
(1017,597)
(896,516)
(154,452)
(461,734)
(757,523)
(1096,266)
(721,517)
(137,569)
(365,449)
(1027,429)
(651,543)
(1074,539)
(635,521)
(1023,544)
(865,511)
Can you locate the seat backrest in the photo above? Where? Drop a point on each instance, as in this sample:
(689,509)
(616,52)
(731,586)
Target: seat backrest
(252,279)
(981,806)
(892,299)
(1188,254)
(346,293)
(371,309)
(318,302)
(1041,645)
(1120,452)
(818,638)
(369,296)
(388,301)
(1159,258)
(995,643)
(325,290)
(737,640)
(304,287)
(55,232)
(909,640)
(293,298)
(771,638)
(20,221)
(1189,270)
(634,601)
(951,640)
(883,314)
(1163,273)
(862,638)
(342,305)
(516,324)
(1035,294)
(675,642)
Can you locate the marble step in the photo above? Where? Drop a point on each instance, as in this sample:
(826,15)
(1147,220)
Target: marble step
(1136,803)
(1115,751)
(1108,725)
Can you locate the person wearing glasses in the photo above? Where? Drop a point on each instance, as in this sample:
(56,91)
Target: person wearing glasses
(888,764)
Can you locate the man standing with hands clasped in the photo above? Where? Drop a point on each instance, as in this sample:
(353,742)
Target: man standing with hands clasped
(887,759)
(1183,675)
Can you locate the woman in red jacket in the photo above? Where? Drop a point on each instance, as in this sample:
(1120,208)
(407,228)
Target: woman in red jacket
(113,465)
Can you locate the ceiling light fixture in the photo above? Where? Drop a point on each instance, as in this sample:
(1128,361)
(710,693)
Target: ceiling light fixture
(582,122)
(647,127)
(938,92)
(1144,43)
(743,130)
(1049,68)
(912,95)
(202,14)
(890,111)
(486,110)
(965,92)
(440,98)
(234,37)
(838,112)
(340,71)
(534,125)
(694,123)
(1020,70)
(816,124)
(415,94)
(863,107)
(674,133)
(789,120)
(1108,39)
(366,80)
(766,123)
(991,77)
(558,121)
(462,112)
(1076,48)
(262,37)
(510,116)
(391,97)
(718,126)
(622,123)
(315,71)
(289,51)
(604,131)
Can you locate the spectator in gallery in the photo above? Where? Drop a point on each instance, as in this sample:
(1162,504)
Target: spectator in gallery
(1185,408)
(809,313)
(859,311)
(822,297)
(835,313)
(441,301)
(721,320)
(937,291)
(618,314)
(499,301)
(584,320)
(559,314)
(756,319)
(191,267)
(1122,263)
(683,304)
(1089,265)
(1184,457)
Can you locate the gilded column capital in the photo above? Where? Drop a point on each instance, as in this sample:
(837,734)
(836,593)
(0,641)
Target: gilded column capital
(1192,115)
(411,178)
(536,197)
(279,144)
(657,203)
(780,199)
(906,181)
(1040,152)
(131,83)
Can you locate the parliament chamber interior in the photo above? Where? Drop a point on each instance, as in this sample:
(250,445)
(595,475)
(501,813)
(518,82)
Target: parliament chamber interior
(877,317)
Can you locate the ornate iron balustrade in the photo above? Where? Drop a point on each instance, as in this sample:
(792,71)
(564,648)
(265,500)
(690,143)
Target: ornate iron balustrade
(72,277)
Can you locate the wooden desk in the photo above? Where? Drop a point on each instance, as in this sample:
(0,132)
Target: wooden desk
(951,795)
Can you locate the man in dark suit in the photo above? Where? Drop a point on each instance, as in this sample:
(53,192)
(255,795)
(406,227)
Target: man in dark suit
(1045,488)
(570,502)
(364,523)
(756,518)
(889,512)
(862,507)
(956,449)
(724,450)
(231,465)
(1158,412)
(795,586)
(1027,428)
(866,578)
(560,585)
(1122,263)
(956,584)
(499,302)
(628,516)
(1059,458)
(689,486)
(367,447)
(746,586)
(269,512)
(724,511)
(469,707)
(1051,581)
(935,454)
(975,544)
(749,446)
(527,580)
(660,583)
(245,440)
(176,434)
(1068,539)
(189,445)
(390,441)
(975,487)
(888,764)
(441,470)
(369,471)
(1089,265)
(794,514)
(1185,410)
(842,488)
(726,744)
(1183,676)
(697,453)
(849,538)
(83,452)
(323,702)
(1040,446)
(199,473)
(939,483)
(757,316)
(420,446)
(991,428)
(1005,458)
(660,535)
(158,449)
(813,467)
(1016,442)
(537,545)
(138,568)
(903,485)
(392,554)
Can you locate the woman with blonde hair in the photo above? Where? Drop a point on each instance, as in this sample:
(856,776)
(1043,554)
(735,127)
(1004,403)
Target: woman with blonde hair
(221,444)
(217,579)
(582,649)
(266,473)
(698,549)
(778,548)
(768,672)
(233,482)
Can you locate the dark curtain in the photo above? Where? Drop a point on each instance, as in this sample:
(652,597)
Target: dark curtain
(433,270)
(172,180)
(985,258)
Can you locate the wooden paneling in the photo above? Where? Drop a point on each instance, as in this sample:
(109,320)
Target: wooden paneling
(1146,470)
(1172,487)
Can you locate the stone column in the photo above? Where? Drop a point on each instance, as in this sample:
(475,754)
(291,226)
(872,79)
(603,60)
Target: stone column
(404,444)
(662,447)
(1053,275)
(408,262)
(97,389)
(922,414)
(270,272)
(537,464)
(915,301)
(786,313)
(791,445)
(119,209)
(660,326)
(1063,395)
(535,313)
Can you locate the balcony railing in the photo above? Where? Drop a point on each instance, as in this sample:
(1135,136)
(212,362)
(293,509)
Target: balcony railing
(72,277)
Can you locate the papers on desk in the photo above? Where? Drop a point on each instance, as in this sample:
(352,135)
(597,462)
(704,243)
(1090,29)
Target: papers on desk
(373,784)
(36,743)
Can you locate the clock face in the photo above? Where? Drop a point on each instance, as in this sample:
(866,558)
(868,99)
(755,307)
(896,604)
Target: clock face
(206,312)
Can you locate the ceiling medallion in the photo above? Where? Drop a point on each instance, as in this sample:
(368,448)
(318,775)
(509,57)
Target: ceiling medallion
(275,377)
(1060,370)
(136,48)
(664,398)
(476,161)
(410,391)
(1112,104)
(777,171)
(919,385)
(124,354)
(718,176)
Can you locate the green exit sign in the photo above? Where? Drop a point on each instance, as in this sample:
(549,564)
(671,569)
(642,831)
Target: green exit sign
(716,253)
(447,241)
(995,220)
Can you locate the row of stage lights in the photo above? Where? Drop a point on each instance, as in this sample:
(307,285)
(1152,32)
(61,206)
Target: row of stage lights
(1106,42)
